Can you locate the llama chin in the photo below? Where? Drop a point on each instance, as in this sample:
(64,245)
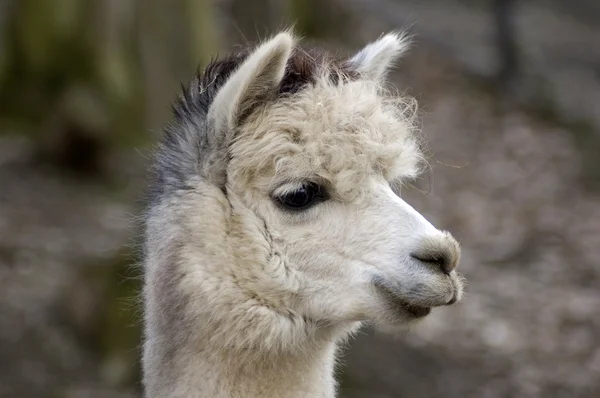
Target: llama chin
(274,229)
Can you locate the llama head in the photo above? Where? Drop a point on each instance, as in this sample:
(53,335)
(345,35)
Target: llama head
(299,160)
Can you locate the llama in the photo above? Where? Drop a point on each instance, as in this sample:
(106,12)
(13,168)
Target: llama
(275,226)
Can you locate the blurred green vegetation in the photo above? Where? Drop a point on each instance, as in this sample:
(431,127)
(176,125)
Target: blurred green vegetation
(69,83)
(80,77)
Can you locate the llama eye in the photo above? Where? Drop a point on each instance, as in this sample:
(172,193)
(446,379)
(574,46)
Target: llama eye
(302,198)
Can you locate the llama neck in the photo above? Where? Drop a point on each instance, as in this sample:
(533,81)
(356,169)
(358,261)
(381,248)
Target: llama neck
(309,374)
(228,350)
(206,372)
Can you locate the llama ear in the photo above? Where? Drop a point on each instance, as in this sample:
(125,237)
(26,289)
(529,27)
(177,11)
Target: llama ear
(375,60)
(254,81)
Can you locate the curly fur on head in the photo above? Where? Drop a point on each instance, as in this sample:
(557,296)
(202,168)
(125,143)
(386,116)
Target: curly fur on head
(247,295)
(187,143)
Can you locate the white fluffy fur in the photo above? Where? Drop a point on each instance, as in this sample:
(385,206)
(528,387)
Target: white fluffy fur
(246,299)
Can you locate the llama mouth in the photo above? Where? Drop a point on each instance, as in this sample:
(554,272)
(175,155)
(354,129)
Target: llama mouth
(415,311)
(399,304)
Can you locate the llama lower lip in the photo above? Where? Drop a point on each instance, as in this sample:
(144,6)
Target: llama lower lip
(413,310)
(399,303)
(418,312)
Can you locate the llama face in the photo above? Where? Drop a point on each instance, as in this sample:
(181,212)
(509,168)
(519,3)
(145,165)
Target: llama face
(314,172)
(319,169)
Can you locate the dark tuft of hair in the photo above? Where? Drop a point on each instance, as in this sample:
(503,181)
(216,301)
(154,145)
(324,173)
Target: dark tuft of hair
(188,143)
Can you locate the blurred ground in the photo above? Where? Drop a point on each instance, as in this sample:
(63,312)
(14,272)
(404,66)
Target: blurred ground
(518,185)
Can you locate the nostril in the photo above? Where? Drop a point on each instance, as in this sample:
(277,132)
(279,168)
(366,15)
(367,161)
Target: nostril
(452,300)
(442,260)
(438,250)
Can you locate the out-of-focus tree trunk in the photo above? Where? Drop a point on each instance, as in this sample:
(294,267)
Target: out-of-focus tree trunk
(175,38)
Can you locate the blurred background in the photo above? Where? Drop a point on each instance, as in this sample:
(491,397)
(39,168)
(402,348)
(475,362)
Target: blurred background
(510,99)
